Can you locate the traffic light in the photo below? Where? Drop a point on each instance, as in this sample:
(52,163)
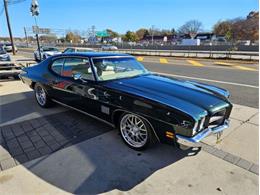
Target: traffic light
(35,8)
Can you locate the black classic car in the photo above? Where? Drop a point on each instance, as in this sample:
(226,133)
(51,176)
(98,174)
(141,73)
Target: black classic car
(118,90)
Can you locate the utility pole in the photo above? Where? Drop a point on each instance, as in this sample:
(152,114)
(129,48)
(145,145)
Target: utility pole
(35,12)
(152,29)
(37,38)
(93,31)
(9,26)
(26,37)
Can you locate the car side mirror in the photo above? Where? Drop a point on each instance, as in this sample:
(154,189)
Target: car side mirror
(77,76)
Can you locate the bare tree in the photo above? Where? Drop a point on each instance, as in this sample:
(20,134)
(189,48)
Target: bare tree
(191,27)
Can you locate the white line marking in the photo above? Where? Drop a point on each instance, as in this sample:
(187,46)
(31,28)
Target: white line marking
(209,80)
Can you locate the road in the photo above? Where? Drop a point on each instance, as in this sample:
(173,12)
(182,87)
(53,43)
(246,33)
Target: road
(239,77)
(243,85)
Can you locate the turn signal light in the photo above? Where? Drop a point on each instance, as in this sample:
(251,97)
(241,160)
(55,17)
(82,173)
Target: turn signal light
(169,134)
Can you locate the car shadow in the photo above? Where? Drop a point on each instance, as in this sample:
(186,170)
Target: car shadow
(22,106)
(77,153)
(103,164)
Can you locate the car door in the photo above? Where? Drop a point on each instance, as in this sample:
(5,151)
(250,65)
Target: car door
(77,93)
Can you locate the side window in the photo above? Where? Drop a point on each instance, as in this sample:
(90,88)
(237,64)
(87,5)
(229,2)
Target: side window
(57,65)
(77,65)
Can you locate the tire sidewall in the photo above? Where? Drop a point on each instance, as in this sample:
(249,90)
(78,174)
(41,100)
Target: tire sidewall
(149,133)
(47,101)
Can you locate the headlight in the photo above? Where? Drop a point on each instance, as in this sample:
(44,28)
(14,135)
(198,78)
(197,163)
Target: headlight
(198,126)
(195,127)
(202,122)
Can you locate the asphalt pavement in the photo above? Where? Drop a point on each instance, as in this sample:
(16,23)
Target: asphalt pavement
(243,85)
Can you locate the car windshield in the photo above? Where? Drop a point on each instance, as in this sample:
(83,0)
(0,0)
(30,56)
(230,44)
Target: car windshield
(117,68)
(49,49)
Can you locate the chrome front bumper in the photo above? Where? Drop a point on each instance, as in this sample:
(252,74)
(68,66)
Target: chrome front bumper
(194,141)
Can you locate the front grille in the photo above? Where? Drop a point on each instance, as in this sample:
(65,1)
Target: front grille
(217,119)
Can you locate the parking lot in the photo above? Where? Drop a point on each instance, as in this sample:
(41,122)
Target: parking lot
(60,150)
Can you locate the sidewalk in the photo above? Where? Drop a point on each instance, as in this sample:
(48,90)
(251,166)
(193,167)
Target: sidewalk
(160,170)
(241,138)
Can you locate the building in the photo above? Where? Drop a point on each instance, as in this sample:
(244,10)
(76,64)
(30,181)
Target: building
(159,39)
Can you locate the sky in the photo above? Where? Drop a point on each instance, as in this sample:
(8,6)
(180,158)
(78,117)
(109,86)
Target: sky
(123,15)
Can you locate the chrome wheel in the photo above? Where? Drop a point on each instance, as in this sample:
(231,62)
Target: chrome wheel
(134,130)
(40,95)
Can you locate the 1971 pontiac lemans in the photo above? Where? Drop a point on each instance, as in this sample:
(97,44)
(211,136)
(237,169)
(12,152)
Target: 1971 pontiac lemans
(118,90)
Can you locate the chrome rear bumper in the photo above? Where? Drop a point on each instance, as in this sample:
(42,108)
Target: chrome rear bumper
(194,141)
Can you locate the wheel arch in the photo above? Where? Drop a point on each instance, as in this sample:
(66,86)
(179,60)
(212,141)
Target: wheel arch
(33,84)
(118,113)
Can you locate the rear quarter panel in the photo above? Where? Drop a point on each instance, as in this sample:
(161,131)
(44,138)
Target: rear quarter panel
(37,73)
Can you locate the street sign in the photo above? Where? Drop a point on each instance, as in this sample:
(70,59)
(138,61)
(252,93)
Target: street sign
(35,8)
(38,30)
(35,29)
(102,34)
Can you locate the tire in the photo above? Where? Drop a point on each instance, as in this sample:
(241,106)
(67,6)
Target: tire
(135,131)
(41,96)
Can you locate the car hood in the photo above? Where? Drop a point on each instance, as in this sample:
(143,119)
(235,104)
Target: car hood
(193,98)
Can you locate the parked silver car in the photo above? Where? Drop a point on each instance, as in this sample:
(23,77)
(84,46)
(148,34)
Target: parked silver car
(78,49)
(109,48)
(4,56)
(8,47)
(45,53)
(7,67)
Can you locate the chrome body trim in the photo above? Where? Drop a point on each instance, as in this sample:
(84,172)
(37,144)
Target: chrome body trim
(193,141)
(113,56)
(83,112)
(111,124)
(215,118)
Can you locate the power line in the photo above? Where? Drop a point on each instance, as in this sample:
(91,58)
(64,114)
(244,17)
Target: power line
(10,2)
(13,2)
